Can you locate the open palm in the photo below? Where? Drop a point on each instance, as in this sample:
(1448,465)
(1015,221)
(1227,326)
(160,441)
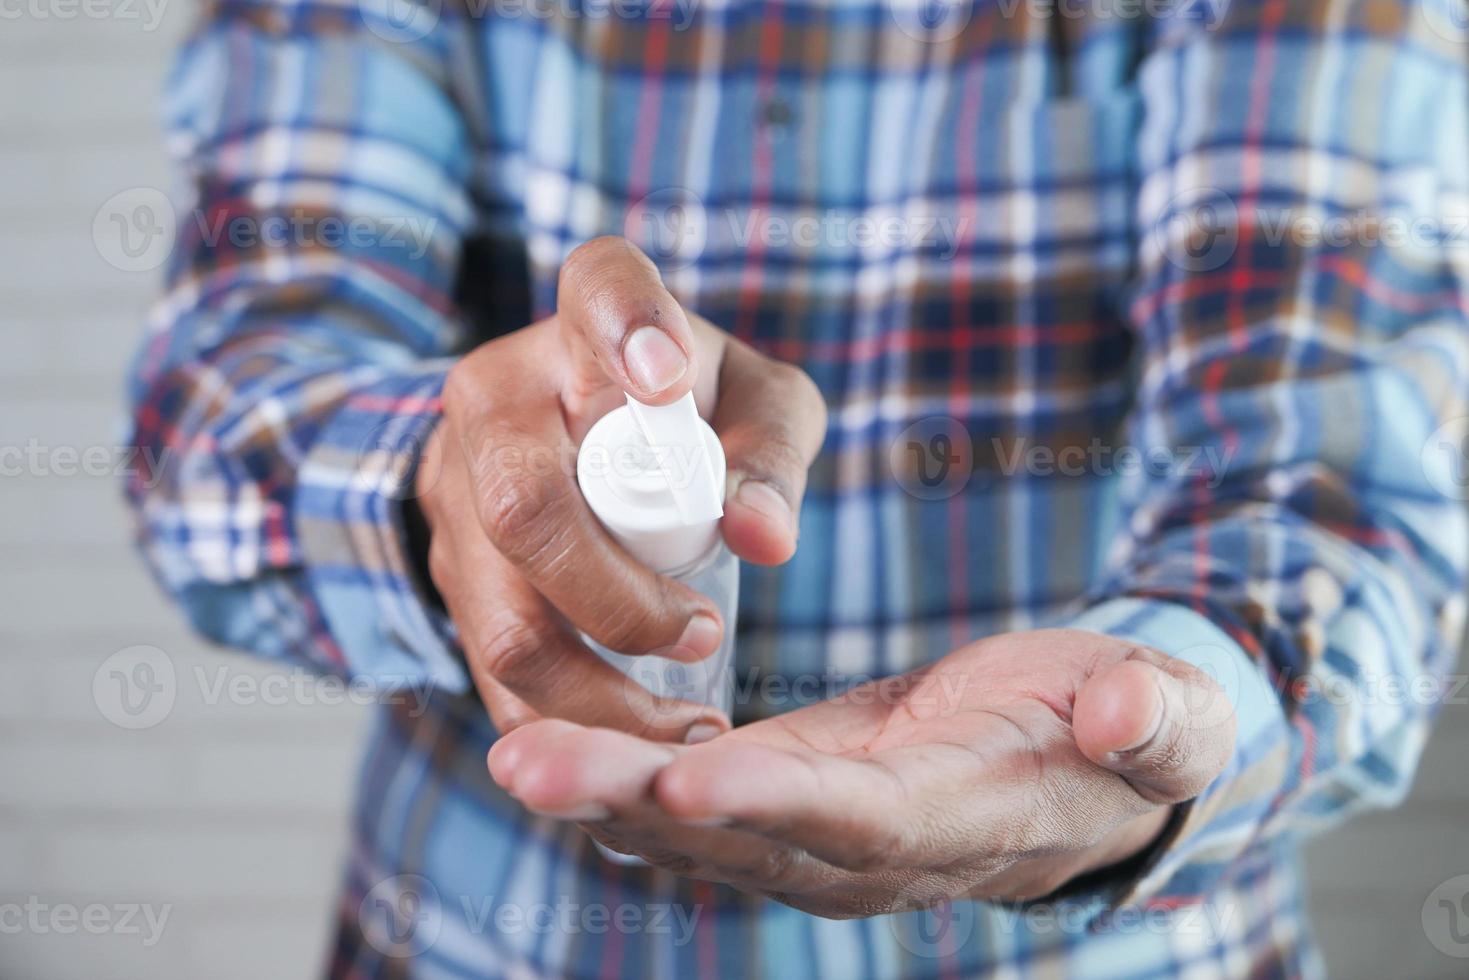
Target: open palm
(1002,770)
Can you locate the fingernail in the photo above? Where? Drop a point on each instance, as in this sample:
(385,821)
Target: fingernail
(1149,733)
(765,500)
(588,813)
(702,732)
(653,360)
(702,636)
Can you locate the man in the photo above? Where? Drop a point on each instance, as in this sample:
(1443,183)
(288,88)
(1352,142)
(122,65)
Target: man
(1103,467)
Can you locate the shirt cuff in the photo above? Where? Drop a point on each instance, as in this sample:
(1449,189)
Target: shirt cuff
(351,491)
(1208,833)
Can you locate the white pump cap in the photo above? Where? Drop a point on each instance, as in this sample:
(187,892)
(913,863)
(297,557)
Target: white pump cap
(654,476)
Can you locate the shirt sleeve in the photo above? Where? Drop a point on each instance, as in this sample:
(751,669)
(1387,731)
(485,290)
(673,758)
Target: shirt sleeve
(293,368)
(1300,313)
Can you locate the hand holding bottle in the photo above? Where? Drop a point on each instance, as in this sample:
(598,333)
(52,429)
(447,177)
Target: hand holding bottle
(520,560)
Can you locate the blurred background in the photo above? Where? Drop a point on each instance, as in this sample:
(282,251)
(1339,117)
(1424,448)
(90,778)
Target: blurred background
(215,812)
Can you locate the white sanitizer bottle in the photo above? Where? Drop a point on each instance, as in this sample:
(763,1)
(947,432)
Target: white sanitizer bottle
(654,476)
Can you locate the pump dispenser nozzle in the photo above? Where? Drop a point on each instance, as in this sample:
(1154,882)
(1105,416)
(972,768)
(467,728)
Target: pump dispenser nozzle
(674,428)
(654,478)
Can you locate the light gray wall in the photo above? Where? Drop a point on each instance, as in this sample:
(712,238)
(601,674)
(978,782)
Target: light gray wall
(229,814)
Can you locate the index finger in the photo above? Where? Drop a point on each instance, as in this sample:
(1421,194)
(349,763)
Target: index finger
(625,326)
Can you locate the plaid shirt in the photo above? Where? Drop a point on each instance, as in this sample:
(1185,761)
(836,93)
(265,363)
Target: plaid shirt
(1087,365)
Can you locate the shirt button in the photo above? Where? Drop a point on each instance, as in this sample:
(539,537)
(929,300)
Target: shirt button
(776,115)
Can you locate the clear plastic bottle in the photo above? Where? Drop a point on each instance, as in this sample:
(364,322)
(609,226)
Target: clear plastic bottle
(711,680)
(655,477)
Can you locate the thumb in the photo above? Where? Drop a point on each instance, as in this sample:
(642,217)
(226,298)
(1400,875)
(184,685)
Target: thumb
(622,324)
(1162,724)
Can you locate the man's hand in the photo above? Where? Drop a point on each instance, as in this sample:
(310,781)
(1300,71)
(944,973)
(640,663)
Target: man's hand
(521,561)
(1002,771)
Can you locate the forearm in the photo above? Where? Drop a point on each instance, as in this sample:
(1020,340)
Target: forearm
(294,365)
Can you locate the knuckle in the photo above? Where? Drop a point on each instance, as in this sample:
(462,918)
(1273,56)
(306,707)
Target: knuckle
(513,652)
(633,627)
(522,516)
(463,390)
(771,868)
